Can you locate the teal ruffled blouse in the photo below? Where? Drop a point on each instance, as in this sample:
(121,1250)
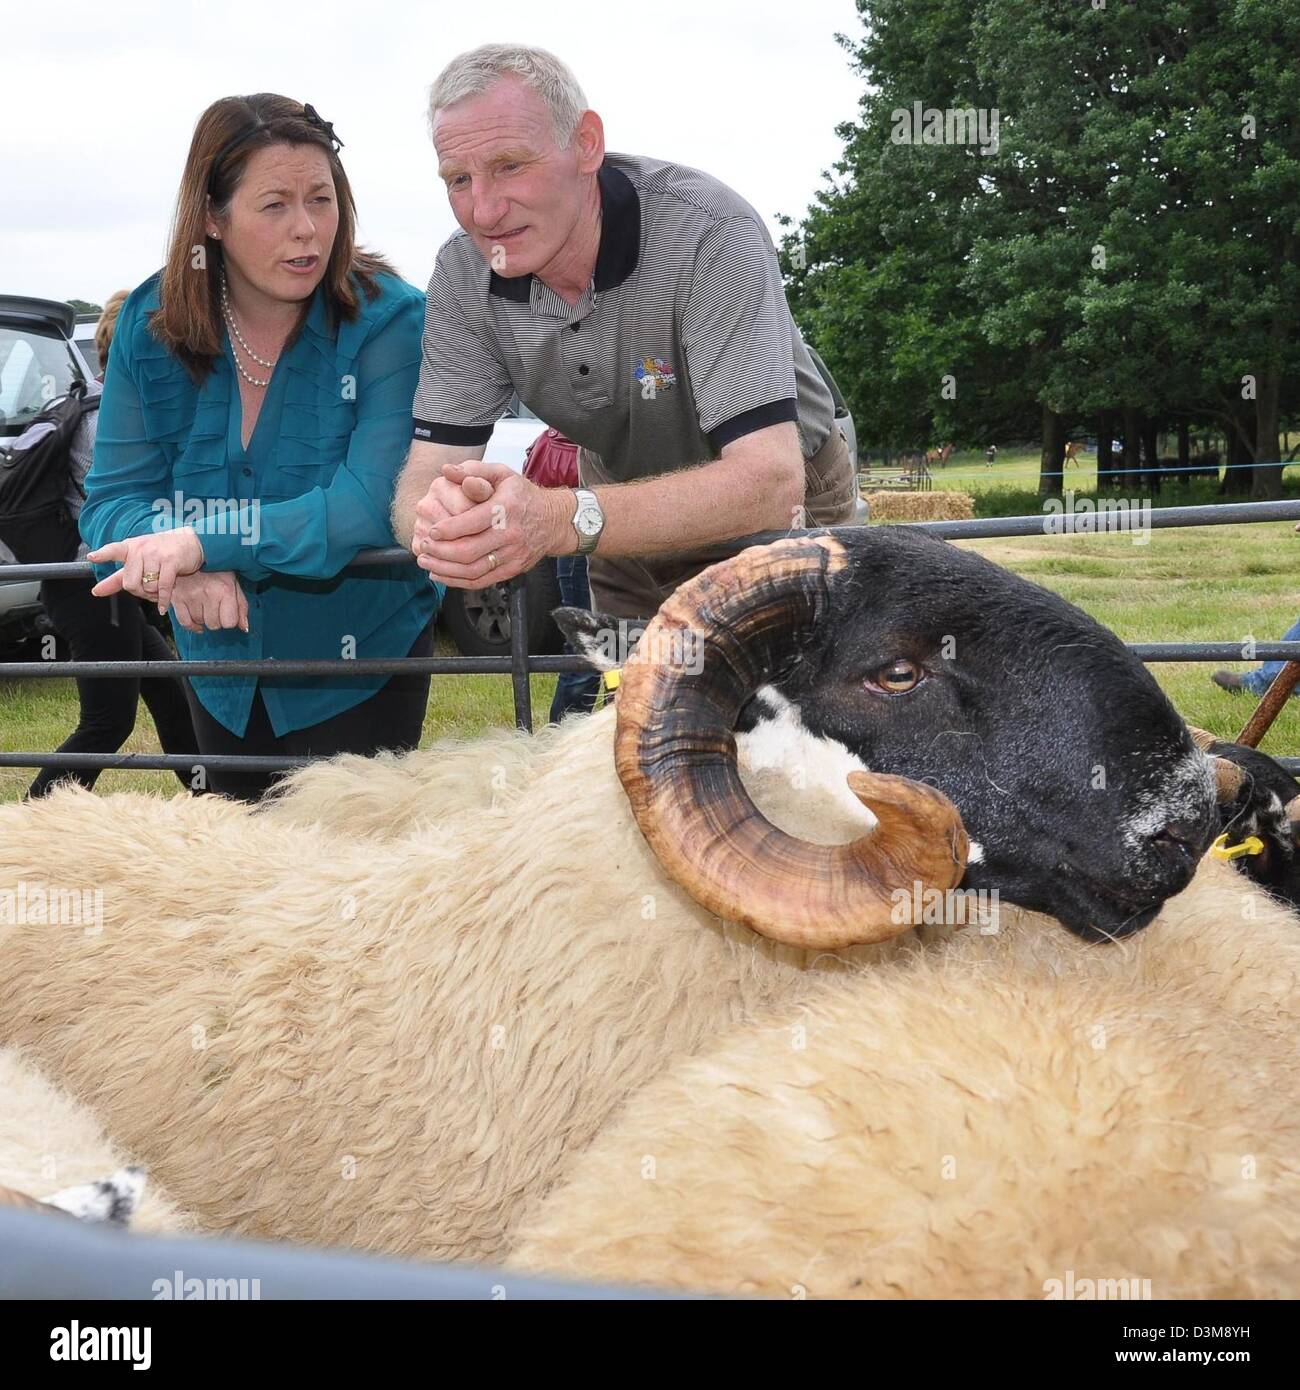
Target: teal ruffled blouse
(286,514)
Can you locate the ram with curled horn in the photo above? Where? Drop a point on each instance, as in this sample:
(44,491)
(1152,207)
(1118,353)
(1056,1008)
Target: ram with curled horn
(676,757)
(451,969)
(1003,740)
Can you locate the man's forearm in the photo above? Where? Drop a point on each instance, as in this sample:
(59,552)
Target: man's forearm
(755,490)
(423,464)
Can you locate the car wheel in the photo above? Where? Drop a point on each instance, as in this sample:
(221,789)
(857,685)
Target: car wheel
(478,620)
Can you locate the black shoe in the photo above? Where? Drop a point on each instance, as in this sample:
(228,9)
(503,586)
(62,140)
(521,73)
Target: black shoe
(1229,680)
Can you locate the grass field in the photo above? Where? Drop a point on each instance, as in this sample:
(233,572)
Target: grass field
(1010,486)
(39,714)
(1213,584)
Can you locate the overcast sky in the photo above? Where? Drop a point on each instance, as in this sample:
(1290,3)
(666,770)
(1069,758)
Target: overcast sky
(101,100)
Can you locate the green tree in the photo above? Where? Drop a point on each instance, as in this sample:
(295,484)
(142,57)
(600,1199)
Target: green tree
(1129,247)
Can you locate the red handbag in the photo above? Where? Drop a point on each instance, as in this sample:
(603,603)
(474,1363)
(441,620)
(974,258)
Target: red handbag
(552,460)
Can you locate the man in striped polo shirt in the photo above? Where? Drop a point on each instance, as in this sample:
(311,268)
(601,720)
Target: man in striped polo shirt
(636,306)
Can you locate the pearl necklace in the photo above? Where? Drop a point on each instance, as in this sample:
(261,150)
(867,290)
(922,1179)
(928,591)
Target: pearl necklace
(229,316)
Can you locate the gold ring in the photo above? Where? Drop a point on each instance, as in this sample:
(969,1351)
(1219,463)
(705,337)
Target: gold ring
(492,561)
(151,578)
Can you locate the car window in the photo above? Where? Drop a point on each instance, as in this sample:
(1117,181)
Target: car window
(34,369)
(89,354)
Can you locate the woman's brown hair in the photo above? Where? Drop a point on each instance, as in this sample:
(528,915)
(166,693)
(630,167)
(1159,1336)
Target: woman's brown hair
(188,323)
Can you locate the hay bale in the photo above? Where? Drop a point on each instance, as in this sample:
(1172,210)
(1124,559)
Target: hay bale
(921,506)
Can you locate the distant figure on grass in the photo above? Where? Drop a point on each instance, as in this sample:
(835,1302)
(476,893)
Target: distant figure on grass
(990,456)
(1256,682)
(939,456)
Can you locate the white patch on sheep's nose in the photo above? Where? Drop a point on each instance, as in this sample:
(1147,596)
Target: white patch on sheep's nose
(813,767)
(1181,797)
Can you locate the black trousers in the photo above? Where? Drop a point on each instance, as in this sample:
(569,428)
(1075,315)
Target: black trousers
(108,705)
(393,717)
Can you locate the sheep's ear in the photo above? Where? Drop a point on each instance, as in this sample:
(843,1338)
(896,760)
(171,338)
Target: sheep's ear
(604,641)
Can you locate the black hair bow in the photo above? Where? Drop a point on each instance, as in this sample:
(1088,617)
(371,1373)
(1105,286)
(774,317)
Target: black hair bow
(312,117)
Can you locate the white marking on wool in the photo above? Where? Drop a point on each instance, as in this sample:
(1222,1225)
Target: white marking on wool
(596,652)
(1273,820)
(1180,797)
(819,766)
(112,1201)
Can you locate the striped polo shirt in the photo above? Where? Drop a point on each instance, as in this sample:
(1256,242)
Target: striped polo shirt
(682,342)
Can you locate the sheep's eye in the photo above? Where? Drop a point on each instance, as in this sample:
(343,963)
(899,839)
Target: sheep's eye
(897,677)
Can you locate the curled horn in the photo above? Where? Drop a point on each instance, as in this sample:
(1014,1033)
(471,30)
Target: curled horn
(1228,777)
(717,639)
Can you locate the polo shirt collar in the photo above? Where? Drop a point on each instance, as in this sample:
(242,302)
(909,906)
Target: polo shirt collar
(620,239)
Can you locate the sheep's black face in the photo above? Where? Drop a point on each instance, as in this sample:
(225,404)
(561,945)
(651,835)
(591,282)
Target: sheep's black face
(1259,813)
(1076,779)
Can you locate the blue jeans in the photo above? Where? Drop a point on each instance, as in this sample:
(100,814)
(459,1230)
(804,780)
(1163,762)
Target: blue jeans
(574,691)
(1259,680)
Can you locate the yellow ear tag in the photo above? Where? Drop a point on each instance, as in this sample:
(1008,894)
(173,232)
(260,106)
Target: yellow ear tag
(1221,849)
(612,678)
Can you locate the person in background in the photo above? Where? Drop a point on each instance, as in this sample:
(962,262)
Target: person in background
(116,631)
(256,411)
(1256,682)
(553,462)
(990,456)
(104,328)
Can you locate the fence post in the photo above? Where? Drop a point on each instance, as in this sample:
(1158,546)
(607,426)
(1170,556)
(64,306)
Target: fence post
(519,678)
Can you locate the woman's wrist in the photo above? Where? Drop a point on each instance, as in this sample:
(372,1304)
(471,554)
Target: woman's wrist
(198,548)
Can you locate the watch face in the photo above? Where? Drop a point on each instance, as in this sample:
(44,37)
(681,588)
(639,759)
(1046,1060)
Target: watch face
(589,522)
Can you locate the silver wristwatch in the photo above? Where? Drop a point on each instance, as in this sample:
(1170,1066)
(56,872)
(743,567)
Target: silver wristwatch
(588,521)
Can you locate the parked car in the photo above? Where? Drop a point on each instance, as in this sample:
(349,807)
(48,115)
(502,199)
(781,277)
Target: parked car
(478,620)
(38,363)
(842,418)
(83,334)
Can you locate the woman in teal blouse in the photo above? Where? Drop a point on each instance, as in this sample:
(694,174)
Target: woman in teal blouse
(256,413)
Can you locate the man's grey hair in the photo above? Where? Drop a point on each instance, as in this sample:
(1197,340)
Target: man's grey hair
(469,74)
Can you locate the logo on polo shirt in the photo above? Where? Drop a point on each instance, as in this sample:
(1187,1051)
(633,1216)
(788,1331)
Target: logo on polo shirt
(655,375)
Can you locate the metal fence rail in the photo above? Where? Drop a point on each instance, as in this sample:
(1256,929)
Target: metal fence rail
(520,665)
(48,1257)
